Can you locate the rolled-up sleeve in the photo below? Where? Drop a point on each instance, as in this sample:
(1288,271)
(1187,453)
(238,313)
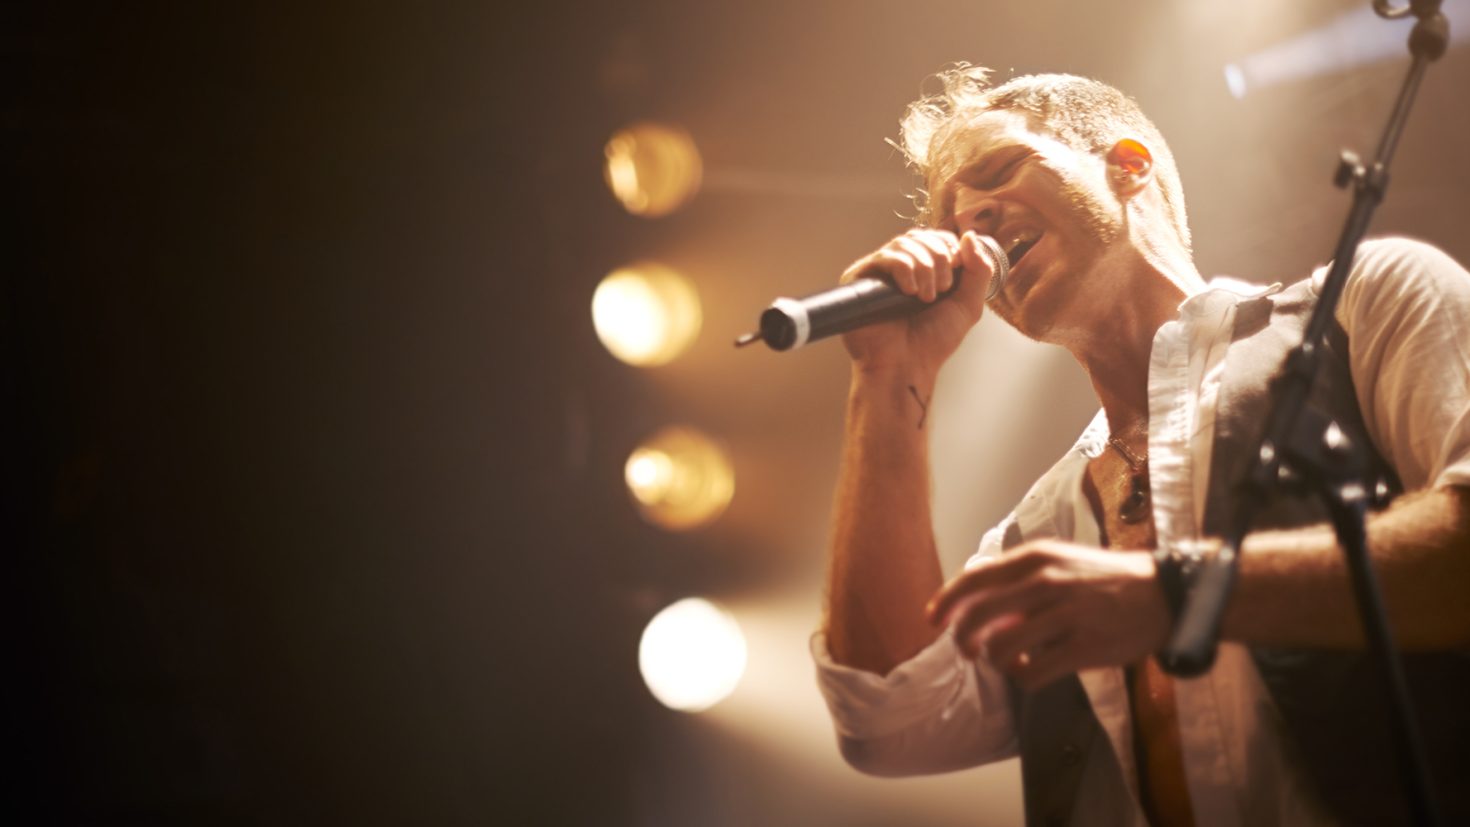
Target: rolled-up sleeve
(1404,309)
(940,711)
(936,712)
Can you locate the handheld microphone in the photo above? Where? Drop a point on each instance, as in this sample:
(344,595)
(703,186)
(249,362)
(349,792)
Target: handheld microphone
(791,323)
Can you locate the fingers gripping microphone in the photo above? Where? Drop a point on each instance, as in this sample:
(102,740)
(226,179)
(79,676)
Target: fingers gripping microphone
(791,323)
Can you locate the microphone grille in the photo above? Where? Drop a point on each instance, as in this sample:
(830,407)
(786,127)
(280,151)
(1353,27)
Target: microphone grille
(1002,266)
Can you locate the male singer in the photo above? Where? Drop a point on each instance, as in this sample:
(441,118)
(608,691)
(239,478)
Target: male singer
(1041,647)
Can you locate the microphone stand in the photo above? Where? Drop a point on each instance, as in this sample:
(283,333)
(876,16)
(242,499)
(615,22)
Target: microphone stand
(1305,448)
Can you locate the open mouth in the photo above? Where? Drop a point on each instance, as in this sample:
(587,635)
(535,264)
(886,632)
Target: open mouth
(1019,245)
(1019,251)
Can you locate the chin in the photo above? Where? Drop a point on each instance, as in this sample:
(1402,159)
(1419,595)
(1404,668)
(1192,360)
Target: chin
(1048,311)
(1026,320)
(1031,305)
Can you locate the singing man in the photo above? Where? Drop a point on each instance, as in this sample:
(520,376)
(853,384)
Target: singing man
(1042,647)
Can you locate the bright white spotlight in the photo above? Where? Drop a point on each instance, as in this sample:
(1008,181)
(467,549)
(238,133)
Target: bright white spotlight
(680,479)
(1354,38)
(692,655)
(1235,79)
(646,314)
(652,169)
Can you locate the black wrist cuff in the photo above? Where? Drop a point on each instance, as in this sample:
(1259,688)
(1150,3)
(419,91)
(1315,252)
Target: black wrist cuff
(1176,568)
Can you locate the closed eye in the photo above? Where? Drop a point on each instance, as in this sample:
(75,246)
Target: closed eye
(998,178)
(988,175)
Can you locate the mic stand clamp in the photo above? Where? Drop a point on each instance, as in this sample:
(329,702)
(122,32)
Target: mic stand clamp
(1303,450)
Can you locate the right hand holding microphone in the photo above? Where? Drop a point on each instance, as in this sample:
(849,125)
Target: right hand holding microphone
(924,263)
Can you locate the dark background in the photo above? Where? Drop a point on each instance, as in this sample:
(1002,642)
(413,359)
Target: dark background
(313,499)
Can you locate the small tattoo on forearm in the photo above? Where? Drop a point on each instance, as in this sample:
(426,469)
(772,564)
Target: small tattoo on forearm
(923,405)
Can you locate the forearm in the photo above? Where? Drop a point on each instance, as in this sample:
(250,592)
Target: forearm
(883,566)
(1294,588)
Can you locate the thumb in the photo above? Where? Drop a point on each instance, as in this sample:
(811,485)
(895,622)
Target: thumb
(979,267)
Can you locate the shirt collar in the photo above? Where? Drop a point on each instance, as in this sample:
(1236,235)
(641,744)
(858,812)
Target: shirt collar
(1224,292)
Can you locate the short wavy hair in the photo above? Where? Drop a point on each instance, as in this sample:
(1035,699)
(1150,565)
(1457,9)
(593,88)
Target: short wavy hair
(1088,115)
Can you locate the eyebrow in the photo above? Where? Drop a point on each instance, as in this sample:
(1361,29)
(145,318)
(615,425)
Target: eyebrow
(994,162)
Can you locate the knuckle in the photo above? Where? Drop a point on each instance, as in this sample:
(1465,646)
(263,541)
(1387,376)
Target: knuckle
(1051,553)
(1034,555)
(902,269)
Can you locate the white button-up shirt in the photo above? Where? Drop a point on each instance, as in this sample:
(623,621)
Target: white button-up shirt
(1404,309)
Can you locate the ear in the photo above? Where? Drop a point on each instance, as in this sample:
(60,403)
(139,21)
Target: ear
(1130,168)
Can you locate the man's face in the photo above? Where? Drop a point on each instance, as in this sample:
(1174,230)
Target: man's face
(1048,205)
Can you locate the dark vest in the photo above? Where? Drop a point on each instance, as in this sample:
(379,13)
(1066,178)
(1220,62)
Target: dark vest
(1333,704)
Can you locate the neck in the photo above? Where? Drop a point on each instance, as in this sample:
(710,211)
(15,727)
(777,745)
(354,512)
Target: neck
(1117,350)
(1119,375)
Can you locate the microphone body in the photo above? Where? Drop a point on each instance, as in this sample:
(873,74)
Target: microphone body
(790,323)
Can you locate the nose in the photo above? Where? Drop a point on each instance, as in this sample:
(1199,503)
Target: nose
(976,209)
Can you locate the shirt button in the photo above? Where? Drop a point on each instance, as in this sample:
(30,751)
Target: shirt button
(1071,755)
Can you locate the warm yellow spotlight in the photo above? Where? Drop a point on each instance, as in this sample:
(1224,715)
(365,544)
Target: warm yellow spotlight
(692,655)
(646,314)
(652,169)
(680,479)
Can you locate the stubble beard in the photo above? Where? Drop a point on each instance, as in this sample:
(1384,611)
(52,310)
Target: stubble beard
(1103,225)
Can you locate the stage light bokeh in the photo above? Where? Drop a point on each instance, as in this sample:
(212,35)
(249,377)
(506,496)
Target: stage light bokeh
(652,169)
(680,479)
(692,655)
(646,314)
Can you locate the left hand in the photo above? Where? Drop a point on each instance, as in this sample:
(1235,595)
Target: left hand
(1050,608)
